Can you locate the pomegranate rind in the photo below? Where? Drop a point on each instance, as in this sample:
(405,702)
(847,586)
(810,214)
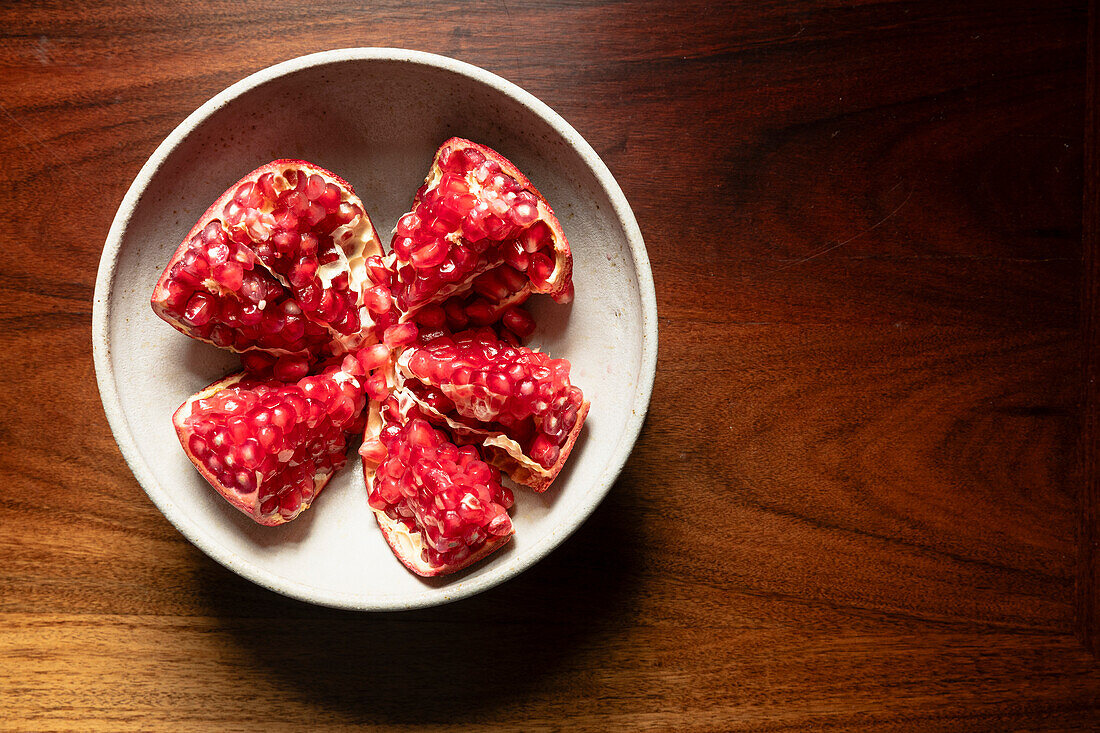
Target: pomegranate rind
(359,243)
(247,504)
(506,454)
(408,546)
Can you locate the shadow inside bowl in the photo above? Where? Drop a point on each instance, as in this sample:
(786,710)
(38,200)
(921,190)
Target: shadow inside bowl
(455,662)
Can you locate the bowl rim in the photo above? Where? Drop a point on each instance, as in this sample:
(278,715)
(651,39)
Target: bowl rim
(193,531)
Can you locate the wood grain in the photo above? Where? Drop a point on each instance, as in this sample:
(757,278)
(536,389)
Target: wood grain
(856,501)
(1088,525)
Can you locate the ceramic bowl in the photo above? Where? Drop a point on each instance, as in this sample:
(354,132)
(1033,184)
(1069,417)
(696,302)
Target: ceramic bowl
(375,117)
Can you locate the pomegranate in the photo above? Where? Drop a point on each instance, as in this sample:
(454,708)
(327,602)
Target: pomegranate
(517,403)
(276,264)
(475,212)
(440,507)
(420,349)
(267,446)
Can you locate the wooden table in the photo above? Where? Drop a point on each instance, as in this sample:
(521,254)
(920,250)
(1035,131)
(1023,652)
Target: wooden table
(867,491)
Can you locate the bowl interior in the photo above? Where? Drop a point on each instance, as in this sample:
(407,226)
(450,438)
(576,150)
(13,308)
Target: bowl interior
(376,122)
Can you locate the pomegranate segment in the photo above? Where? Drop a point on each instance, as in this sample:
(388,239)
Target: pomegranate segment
(475,212)
(269,447)
(277,264)
(517,402)
(440,507)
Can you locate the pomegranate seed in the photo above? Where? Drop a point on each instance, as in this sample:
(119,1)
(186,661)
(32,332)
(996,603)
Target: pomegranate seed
(432,316)
(377,388)
(516,256)
(541,269)
(492,286)
(291,368)
(480,313)
(544,451)
(217,253)
(378,299)
(373,356)
(408,225)
(377,271)
(303,272)
(431,254)
(197,446)
(213,234)
(373,451)
(257,362)
(519,322)
(230,275)
(315,186)
(456,314)
(400,335)
(199,309)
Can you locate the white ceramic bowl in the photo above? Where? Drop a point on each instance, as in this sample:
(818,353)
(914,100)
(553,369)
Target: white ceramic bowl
(375,117)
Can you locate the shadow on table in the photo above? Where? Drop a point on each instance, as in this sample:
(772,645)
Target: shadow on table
(446,664)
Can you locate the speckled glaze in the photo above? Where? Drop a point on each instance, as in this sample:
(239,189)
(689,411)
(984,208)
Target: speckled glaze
(375,117)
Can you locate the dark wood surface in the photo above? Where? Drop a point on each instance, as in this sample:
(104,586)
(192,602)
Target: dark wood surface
(866,492)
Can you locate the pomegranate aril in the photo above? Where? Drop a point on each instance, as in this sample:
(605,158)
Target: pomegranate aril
(492,286)
(217,253)
(377,387)
(373,356)
(303,272)
(400,335)
(199,310)
(540,269)
(377,271)
(480,312)
(430,254)
(291,368)
(456,314)
(378,300)
(315,186)
(545,450)
(518,321)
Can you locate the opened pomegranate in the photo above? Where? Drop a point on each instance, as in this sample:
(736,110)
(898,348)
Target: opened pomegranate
(518,404)
(420,349)
(440,507)
(269,447)
(475,212)
(276,264)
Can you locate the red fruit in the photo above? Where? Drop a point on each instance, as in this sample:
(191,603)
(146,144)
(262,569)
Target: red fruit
(258,248)
(400,335)
(440,508)
(286,269)
(518,403)
(267,447)
(257,362)
(519,322)
(291,368)
(478,212)
(374,356)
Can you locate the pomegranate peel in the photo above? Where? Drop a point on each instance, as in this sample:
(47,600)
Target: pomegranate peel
(408,547)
